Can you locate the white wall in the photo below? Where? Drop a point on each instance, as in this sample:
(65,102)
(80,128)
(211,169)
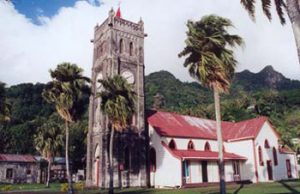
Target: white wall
(279,171)
(244,148)
(168,168)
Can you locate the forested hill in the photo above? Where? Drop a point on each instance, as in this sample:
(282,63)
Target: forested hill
(265,93)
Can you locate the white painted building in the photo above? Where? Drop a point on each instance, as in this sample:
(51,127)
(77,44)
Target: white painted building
(184,151)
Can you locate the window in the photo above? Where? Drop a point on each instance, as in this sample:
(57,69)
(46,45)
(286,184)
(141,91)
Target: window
(207,147)
(172,144)
(288,168)
(260,156)
(121,45)
(28,171)
(130,48)
(186,168)
(267,145)
(236,167)
(152,160)
(275,156)
(9,173)
(191,145)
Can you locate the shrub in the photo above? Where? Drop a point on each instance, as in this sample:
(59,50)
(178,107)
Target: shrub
(79,186)
(64,187)
(7,188)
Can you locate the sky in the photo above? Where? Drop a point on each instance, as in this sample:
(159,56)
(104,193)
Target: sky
(36,35)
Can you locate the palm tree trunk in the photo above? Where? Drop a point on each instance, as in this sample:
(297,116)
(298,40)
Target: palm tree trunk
(293,11)
(220,141)
(48,175)
(70,188)
(111,165)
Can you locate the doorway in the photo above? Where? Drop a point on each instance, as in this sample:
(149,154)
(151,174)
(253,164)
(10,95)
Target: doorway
(204,171)
(270,170)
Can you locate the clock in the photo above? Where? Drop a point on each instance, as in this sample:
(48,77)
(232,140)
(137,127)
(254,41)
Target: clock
(128,75)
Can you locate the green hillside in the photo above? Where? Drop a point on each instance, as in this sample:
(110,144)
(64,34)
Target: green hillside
(266,93)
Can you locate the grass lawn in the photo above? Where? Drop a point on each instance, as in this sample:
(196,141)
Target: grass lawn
(286,187)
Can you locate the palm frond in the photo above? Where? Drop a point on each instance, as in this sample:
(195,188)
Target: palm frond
(249,5)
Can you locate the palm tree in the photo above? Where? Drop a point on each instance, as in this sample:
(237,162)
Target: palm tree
(210,61)
(4,105)
(65,91)
(117,103)
(48,141)
(293,11)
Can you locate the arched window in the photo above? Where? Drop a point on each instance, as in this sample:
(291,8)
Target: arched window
(172,144)
(267,145)
(130,48)
(207,147)
(152,160)
(275,156)
(260,156)
(191,145)
(121,45)
(97,152)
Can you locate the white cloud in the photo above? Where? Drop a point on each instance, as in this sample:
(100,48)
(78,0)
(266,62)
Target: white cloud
(28,51)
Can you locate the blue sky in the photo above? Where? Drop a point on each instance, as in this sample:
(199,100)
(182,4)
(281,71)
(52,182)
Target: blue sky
(36,35)
(32,9)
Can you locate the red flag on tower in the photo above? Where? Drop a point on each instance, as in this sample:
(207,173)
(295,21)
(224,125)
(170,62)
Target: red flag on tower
(118,14)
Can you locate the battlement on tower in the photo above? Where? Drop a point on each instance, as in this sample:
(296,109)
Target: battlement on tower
(120,24)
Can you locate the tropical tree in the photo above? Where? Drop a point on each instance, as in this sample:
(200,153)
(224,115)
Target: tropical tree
(117,103)
(65,91)
(211,62)
(48,141)
(292,8)
(4,105)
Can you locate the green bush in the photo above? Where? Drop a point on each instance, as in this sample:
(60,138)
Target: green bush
(79,186)
(64,187)
(7,188)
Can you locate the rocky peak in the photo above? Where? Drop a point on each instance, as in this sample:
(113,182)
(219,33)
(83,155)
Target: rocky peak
(271,77)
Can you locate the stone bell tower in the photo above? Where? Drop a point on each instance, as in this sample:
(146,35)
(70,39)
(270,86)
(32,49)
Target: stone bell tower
(118,49)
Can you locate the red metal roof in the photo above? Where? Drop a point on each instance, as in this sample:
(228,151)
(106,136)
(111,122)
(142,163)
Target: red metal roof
(16,158)
(176,125)
(206,155)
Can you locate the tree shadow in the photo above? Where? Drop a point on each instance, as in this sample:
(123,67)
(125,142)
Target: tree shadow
(238,189)
(287,186)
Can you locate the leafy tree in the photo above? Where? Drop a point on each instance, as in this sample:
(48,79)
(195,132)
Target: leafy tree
(117,103)
(210,61)
(48,141)
(65,91)
(291,6)
(4,105)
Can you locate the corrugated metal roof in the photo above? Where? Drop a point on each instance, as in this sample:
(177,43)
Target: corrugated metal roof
(16,158)
(176,125)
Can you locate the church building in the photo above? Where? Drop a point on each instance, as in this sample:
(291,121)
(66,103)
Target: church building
(163,149)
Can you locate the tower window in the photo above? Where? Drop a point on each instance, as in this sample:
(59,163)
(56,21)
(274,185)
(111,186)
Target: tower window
(207,147)
(130,48)
(172,144)
(191,145)
(121,45)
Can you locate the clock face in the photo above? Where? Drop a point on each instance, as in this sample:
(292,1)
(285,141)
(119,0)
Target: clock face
(98,84)
(128,76)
